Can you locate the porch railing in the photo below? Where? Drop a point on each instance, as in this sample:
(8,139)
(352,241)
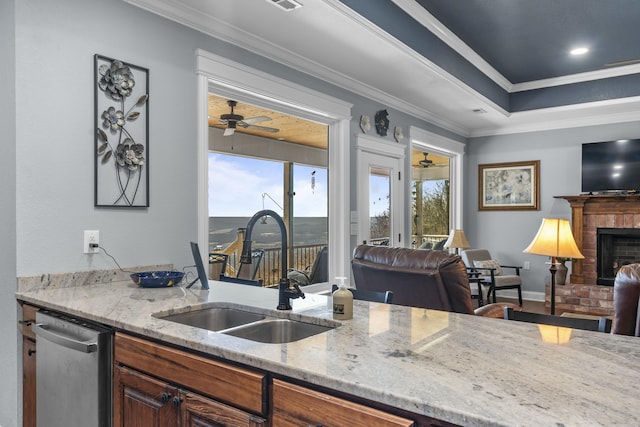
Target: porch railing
(271,264)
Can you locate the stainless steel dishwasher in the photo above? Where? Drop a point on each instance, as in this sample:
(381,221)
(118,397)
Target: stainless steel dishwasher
(73,372)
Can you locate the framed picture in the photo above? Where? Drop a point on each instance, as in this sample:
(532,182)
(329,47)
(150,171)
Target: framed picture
(121,94)
(509,186)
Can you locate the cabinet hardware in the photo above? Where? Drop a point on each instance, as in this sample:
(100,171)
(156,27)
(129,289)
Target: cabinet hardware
(165,397)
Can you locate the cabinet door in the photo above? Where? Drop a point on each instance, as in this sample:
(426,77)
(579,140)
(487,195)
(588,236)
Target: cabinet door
(199,411)
(142,401)
(295,406)
(28,383)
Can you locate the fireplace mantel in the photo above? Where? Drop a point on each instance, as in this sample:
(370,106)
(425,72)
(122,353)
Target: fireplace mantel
(590,211)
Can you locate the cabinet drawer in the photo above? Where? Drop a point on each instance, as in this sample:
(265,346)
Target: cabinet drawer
(202,412)
(237,386)
(297,406)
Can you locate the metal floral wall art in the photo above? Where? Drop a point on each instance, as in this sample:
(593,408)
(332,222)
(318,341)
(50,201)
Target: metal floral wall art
(122,133)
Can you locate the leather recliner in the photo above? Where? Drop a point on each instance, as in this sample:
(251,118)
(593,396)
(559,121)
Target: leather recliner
(626,298)
(419,278)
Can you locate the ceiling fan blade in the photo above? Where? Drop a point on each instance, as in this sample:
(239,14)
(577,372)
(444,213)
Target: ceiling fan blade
(261,128)
(224,122)
(229,131)
(257,119)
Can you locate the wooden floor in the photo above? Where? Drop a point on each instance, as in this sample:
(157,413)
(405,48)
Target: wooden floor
(530,306)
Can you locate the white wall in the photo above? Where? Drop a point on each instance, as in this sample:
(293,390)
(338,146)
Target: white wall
(12,378)
(55,142)
(54,117)
(507,233)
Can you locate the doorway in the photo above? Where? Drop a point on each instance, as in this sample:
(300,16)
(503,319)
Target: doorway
(381,207)
(430,199)
(437,177)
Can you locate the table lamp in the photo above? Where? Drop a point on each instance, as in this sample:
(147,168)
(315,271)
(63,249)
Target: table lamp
(554,239)
(457,240)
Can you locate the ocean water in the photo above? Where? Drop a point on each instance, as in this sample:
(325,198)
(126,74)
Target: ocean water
(306,231)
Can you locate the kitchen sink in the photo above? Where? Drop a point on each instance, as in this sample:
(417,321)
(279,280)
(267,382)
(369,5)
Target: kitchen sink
(251,325)
(215,318)
(277,331)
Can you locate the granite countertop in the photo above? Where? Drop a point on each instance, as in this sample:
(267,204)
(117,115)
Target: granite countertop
(459,368)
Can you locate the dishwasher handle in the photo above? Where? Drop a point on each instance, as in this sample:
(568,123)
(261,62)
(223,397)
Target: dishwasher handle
(40,329)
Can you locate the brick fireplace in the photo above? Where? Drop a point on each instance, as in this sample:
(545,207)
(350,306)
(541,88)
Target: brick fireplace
(613,213)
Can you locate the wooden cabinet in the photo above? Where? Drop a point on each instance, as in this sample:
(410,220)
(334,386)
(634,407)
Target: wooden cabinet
(28,383)
(139,400)
(295,406)
(155,399)
(156,385)
(28,366)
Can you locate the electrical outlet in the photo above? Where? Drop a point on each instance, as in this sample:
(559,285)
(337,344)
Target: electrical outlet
(91,241)
(527,265)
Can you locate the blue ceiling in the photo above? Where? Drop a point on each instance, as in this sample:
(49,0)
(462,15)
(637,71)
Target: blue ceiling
(528,40)
(525,41)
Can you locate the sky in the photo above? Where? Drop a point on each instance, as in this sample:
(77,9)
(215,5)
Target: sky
(236,185)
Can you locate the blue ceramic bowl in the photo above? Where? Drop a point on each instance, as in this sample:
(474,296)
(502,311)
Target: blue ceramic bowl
(157,279)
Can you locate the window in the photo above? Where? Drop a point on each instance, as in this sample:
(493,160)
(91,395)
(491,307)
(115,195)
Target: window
(241,186)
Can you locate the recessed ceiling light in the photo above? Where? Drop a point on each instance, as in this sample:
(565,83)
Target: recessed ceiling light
(579,51)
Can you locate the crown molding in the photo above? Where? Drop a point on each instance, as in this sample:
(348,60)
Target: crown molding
(570,116)
(578,78)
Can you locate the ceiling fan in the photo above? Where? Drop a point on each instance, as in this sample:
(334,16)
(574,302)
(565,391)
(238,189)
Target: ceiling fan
(427,163)
(232,121)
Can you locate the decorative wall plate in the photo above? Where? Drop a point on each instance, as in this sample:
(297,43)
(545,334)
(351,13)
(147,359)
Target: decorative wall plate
(382,122)
(365,123)
(397,133)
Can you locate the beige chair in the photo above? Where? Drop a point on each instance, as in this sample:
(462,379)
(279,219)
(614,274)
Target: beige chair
(492,273)
(317,273)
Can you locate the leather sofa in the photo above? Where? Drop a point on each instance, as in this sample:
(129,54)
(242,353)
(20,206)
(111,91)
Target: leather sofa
(419,278)
(626,298)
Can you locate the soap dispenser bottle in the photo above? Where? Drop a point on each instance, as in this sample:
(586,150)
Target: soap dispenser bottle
(342,302)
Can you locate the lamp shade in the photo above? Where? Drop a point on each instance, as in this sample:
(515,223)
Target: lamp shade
(554,239)
(457,240)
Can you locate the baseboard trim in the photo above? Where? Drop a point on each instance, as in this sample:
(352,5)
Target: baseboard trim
(526,295)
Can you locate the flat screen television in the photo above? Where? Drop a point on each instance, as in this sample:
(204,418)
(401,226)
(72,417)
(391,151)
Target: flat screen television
(611,166)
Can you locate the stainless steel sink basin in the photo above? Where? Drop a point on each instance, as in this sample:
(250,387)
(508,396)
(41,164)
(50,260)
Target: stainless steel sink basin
(259,325)
(215,318)
(277,331)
